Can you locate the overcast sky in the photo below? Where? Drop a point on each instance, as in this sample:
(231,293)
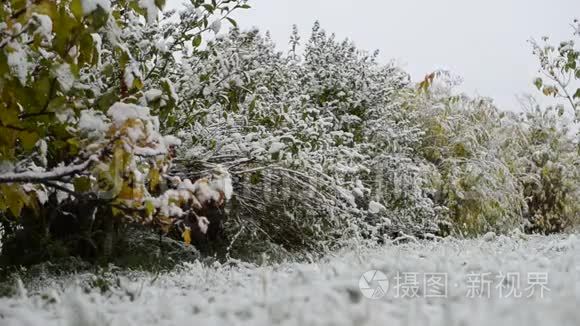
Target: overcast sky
(483,41)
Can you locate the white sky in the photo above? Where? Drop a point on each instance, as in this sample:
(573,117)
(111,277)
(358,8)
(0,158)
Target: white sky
(483,41)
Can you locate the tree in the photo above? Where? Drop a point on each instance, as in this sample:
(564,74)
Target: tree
(81,150)
(560,70)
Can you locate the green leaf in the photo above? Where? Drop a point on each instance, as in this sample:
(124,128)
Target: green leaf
(42,87)
(82,184)
(76,8)
(64,30)
(123,58)
(56,104)
(18,4)
(137,8)
(167,89)
(87,49)
(28,139)
(15,198)
(100,18)
(15,207)
(255,178)
(577,94)
(232,21)
(538,82)
(8,116)
(74,146)
(48,8)
(209,8)
(196,42)
(106,100)
(160,4)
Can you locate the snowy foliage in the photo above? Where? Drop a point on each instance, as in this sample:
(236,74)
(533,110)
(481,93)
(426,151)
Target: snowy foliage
(80,122)
(312,138)
(328,143)
(497,171)
(117,112)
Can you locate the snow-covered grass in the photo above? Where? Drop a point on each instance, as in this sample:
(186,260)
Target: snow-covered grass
(322,292)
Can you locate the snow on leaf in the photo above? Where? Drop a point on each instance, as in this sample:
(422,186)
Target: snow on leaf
(203,224)
(153,94)
(18,61)
(121,112)
(276,147)
(216,26)
(151,10)
(64,76)
(92,5)
(44,25)
(375,207)
(93,121)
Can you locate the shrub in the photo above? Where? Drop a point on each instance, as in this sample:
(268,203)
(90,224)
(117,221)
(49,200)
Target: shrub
(81,151)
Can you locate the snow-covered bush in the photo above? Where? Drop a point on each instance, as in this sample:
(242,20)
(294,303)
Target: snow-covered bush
(81,150)
(328,144)
(544,154)
(475,186)
(497,171)
(322,143)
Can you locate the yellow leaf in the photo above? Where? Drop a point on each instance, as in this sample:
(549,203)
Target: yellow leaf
(129,193)
(186,236)
(137,83)
(154,177)
(149,208)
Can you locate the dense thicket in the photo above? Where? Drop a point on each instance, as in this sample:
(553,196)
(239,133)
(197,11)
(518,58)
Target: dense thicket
(328,144)
(265,151)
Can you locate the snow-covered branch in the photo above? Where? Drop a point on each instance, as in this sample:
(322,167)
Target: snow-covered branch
(53,175)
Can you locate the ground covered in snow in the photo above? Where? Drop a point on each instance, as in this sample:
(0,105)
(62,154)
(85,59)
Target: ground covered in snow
(521,280)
